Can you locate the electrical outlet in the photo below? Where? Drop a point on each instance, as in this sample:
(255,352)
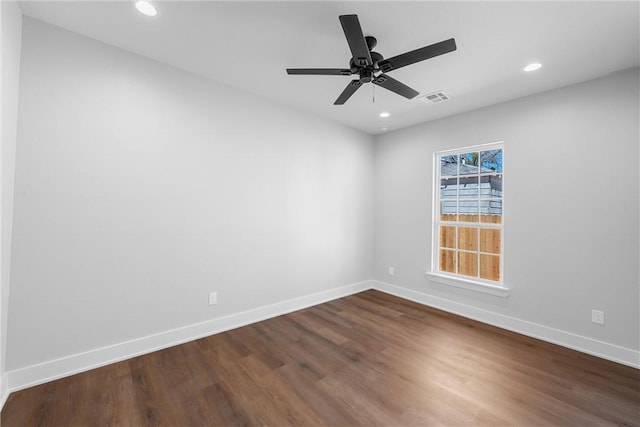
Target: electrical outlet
(213,298)
(391,271)
(597,316)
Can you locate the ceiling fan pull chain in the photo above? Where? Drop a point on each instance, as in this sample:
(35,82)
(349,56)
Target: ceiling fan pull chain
(373,93)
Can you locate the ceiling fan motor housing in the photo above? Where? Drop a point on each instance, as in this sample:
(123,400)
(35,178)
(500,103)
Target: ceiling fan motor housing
(366,75)
(376,58)
(357,67)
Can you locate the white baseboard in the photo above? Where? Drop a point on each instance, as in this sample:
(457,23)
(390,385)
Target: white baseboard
(4,390)
(48,371)
(625,356)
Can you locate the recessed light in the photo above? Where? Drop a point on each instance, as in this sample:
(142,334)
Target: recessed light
(532,67)
(146,8)
(384,129)
(384,114)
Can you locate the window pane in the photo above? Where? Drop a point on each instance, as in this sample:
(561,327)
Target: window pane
(491,211)
(448,210)
(485,207)
(468,210)
(490,240)
(491,161)
(491,187)
(468,196)
(468,187)
(468,218)
(490,267)
(448,237)
(468,264)
(468,238)
(469,163)
(449,165)
(448,188)
(448,261)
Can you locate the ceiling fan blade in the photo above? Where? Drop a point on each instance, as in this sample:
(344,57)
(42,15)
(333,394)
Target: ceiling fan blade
(395,86)
(355,38)
(348,91)
(319,71)
(417,55)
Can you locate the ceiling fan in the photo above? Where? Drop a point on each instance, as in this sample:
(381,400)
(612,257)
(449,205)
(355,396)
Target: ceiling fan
(370,65)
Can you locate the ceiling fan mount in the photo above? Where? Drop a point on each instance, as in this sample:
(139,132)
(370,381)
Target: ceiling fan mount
(371,66)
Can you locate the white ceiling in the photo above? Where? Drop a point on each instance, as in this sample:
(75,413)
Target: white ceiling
(249,45)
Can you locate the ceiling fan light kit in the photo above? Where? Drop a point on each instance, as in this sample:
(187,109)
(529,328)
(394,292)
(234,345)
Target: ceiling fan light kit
(370,66)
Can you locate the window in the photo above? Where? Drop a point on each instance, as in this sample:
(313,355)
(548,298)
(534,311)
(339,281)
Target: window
(468,230)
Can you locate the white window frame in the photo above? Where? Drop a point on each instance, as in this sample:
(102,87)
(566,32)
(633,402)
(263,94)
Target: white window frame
(453,279)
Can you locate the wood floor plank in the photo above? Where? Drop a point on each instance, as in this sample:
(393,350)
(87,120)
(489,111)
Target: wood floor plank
(225,409)
(366,359)
(328,406)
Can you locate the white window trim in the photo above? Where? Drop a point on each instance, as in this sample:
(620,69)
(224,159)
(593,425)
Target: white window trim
(469,284)
(451,279)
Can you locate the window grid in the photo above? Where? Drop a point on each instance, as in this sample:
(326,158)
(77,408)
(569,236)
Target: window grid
(477,220)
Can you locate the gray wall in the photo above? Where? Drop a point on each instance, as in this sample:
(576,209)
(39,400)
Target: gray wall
(571,206)
(11,18)
(140,188)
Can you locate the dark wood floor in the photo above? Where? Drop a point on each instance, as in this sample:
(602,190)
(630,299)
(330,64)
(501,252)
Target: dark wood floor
(368,359)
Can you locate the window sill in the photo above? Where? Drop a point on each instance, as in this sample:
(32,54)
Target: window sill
(469,284)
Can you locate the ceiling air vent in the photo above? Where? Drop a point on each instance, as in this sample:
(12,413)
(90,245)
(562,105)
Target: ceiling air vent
(435,97)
